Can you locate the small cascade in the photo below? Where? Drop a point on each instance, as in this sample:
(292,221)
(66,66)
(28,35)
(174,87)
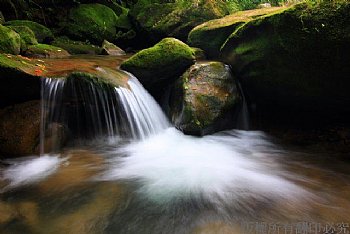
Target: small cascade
(85,109)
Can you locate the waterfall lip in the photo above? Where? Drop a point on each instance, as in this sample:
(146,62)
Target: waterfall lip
(89,110)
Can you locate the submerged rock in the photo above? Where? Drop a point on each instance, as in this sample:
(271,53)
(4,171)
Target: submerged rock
(211,35)
(295,63)
(10,41)
(160,18)
(20,129)
(45,51)
(205,99)
(161,64)
(42,33)
(111,49)
(92,22)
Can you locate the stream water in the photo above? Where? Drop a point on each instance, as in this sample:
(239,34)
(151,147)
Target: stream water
(139,174)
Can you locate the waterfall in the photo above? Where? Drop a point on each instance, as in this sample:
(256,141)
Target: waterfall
(84,109)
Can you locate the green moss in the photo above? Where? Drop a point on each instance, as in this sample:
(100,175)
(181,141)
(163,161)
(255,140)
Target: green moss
(45,51)
(10,41)
(76,47)
(212,34)
(15,62)
(93,22)
(175,18)
(167,59)
(107,80)
(27,36)
(41,32)
(295,60)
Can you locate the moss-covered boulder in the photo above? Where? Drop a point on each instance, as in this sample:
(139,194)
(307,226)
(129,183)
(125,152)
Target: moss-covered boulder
(161,64)
(161,18)
(76,47)
(27,36)
(210,35)
(296,62)
(10,41)
(42,33)
(20,129)
(205,99)
(45,51)
(93,22)
(18,82)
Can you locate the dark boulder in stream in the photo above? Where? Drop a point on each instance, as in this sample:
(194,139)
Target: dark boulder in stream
(294,65)
(205,99)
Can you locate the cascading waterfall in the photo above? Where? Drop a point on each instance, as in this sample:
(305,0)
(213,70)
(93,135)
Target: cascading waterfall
(167,182)
(91,110)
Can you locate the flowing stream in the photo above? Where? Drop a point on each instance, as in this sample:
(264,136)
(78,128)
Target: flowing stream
(127,170)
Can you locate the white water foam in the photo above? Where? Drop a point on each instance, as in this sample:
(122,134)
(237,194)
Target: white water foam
(30,170)
(235,165)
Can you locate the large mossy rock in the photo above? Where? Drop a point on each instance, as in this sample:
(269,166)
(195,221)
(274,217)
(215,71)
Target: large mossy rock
(20,129)
(210,35)
(42,33)
(27,36)
(161,18)
(76,47)
(45,51)
(205,99)
(161,64)
(295,65)
(18,82)
(10,41)
(92,22)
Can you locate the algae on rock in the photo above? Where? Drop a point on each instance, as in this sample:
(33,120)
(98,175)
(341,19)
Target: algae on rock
(211,35)
(205,99)
(10,41)
(160,18)
(92,22)
(27,36)
(160,64)
(295,62)
(42,33)
(45,51)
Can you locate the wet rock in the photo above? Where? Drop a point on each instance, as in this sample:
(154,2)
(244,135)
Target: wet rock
(159,18)
(295,63)
(27,36)
(111,49)
(161,64)
(92,22)
(10,41)
(199,54)
(76,47)
(20,129)
(211,35)
(205,99)
(18,82)
(45,51)
(42,33)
